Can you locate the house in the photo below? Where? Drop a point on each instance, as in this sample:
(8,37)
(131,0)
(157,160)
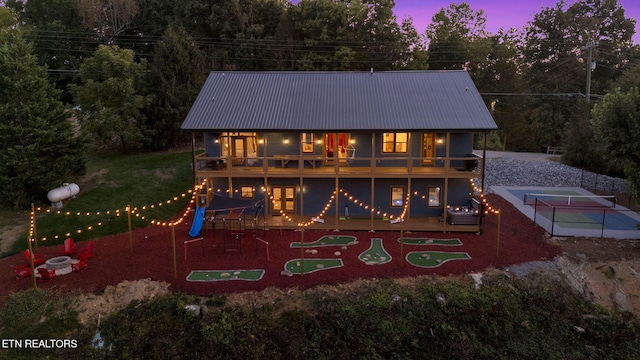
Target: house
(343,150)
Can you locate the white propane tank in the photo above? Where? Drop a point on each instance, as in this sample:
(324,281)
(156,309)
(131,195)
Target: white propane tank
(66,191)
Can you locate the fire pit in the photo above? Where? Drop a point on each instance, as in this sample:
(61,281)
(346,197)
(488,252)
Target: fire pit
(62,264)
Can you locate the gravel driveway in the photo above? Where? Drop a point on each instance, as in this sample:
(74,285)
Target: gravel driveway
(538,169)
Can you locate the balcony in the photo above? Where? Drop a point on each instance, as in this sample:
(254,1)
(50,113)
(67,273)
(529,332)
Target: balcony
(319,166)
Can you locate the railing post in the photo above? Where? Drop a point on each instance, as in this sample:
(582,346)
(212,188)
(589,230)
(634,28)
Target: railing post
(604,212)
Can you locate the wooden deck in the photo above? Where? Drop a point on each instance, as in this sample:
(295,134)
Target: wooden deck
(435,224)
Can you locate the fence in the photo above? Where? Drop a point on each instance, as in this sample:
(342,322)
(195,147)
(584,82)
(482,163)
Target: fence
(571,221)
(600,184)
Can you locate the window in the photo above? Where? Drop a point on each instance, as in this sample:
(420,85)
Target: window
(433,199)
(307,143)
(394,142)
(397,196)
(247,192)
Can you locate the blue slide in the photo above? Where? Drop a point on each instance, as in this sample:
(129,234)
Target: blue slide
(198,220)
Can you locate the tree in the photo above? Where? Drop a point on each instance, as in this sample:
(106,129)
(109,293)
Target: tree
(414,51)
(453,35)
(111,97)
(320,36)
(54,28)
(177,74)
(556,54)
(616,120)
(39,149)
(107,18)
(380,36)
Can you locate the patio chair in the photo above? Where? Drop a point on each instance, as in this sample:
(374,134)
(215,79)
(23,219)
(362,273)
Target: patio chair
(46,275)
(38,259)
(22,271)
(68,248)
(87,251)
(81,265)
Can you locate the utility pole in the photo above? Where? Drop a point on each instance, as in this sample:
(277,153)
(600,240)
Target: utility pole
(590,65)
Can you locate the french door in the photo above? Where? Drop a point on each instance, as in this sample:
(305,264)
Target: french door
(428,148)
(335,146)
(284,199)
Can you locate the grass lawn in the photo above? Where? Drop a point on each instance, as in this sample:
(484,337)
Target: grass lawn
(155,182)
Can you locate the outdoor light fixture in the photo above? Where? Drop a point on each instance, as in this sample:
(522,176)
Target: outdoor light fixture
(286,140)
(440,141)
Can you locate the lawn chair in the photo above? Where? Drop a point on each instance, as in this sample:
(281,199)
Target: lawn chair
(38,259)
(87,251)
(68,248)
(46,275)
(22,271)
(81,265)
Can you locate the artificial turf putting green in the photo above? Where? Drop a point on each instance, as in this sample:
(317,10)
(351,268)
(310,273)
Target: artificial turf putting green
(223,275)
(375,254)
(311,265)
(327,240)
(430,241)
(431,259)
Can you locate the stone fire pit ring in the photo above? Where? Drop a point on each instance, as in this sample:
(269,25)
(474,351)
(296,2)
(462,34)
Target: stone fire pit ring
(62,264)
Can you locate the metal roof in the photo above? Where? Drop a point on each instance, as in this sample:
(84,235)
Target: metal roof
(350,101)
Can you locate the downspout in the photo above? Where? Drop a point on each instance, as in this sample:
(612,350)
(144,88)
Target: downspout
(484,166)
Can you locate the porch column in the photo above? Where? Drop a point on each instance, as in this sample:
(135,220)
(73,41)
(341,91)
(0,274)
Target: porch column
(372,201)
(484,164)
(301,196)
(446,201)
(337,192)
(407,215)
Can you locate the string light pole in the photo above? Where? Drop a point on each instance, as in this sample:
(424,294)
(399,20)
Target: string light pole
(128,209)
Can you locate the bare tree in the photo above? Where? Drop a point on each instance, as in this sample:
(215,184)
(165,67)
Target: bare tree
(107,18)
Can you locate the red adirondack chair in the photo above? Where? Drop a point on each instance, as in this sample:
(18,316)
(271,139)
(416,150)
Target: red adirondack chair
(22,271)
(68,248)
(87,251)
(81,265)
(46,275)
(38,259)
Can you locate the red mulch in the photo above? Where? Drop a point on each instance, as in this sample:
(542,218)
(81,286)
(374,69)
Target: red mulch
(152,257)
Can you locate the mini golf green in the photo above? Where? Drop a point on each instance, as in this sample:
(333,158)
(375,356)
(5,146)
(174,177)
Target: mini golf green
(375,254)
(222,275)
(430,241)
(311,265)
(327,240)
(431,259)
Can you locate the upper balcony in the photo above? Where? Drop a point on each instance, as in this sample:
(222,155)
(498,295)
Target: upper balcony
(321,166)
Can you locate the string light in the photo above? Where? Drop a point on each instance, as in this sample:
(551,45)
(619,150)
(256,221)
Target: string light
(485,204)
(135,211)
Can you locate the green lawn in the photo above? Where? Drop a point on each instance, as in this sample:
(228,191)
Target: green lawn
(158,182)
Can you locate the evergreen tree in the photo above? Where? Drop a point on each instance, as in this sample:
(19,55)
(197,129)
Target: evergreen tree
(39,149)
(177,74)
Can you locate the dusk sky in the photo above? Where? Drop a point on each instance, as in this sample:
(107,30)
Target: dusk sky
(499,13)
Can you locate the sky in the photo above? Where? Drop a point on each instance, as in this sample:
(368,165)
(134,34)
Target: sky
(499,13)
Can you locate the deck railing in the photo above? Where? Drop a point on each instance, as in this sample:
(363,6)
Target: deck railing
(296,164)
